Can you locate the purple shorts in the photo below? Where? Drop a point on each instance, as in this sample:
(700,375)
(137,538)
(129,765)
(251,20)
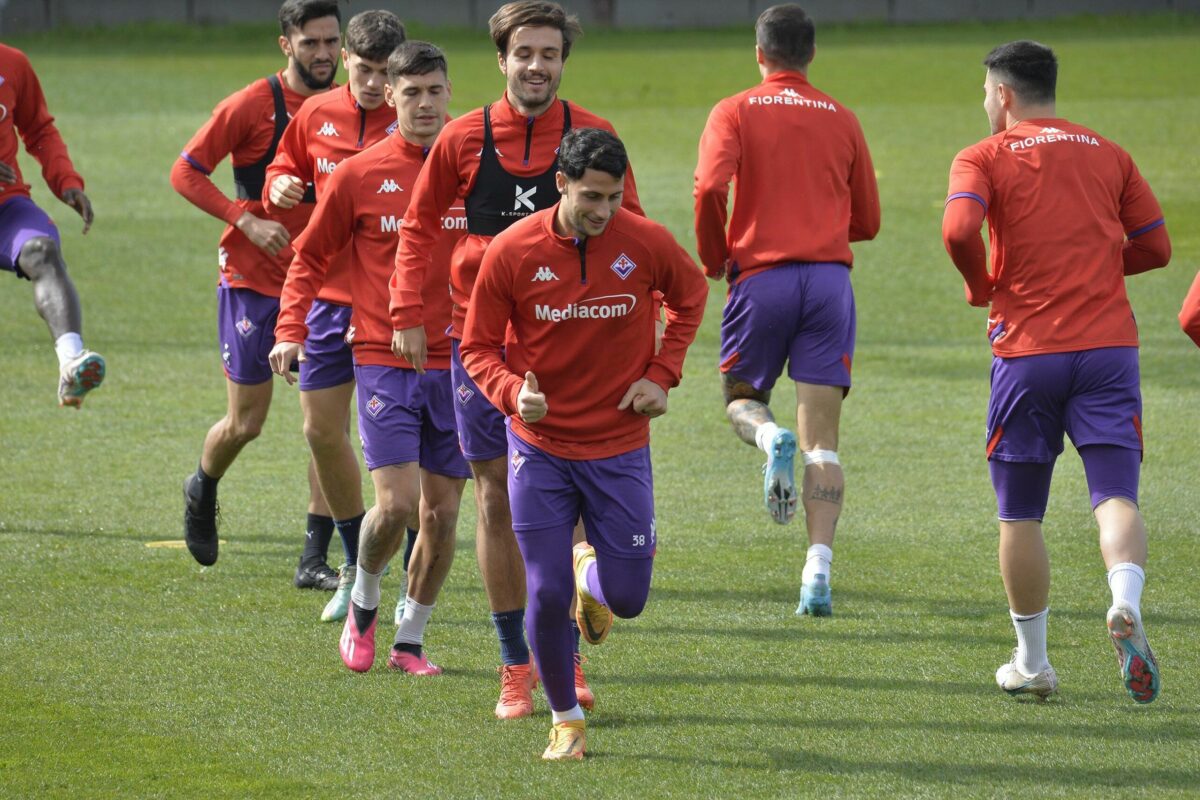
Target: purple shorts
(404,416)
(481,432)
(246,329)
(20,221)
(614,495)
(1092,395)
(801,313)
(328,361)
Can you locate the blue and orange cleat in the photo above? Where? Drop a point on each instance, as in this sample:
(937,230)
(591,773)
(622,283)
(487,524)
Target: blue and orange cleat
(79,376)
(1139,668)
(779,480)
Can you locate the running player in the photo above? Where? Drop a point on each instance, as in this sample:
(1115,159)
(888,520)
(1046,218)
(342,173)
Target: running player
(1070,216)
(579,380)
(501,158)
(1189,315)
(30,247)
(787,258)
(253,255)
(405,418)
(326,130)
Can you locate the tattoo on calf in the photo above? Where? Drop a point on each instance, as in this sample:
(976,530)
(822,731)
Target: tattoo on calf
(829,494)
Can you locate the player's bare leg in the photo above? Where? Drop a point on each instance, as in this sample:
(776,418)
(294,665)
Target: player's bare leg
(1025,569)
(397,494)
(246,411)
(427,570)
(326,427)
(1123,545)
(749,412)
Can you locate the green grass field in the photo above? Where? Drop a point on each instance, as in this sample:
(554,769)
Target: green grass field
(128,671)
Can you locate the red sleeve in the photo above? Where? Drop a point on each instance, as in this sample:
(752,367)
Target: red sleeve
(1189,315)
(291,158)
(482,350)
(684,293)
(436,189)
(1148,250)
(720,154)
(41,137)
(966,206)
(216,139)
(864,193)
(1147,245)
(327,233)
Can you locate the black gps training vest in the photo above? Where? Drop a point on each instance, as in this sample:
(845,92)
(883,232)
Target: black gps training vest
(500,198)
(249,179)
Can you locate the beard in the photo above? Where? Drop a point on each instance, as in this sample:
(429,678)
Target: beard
(311,81)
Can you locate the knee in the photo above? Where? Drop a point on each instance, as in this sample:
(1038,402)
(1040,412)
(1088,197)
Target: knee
(40,257)
(551,595)
(245,431)
(626,607)
(392,514)
(321,435)
(441,521)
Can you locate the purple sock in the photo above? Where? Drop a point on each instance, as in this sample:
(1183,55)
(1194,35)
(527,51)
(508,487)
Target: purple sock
(550,585)
(625,580)
(1022,488)
(1112,471)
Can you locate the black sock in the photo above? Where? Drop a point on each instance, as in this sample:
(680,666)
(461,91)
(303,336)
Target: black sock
(407,647)
(207,486)
(362,617)
(318,532)
(408,548)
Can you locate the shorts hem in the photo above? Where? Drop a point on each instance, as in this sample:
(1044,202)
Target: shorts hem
(388,462)
(473,457)
(544,525)
(318,385)
(244,381)
(1024,459)
(608,552)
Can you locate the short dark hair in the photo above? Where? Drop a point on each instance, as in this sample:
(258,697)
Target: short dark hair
(1029,67)
(295,14)
(416,58)
(591,148)
(373,35)
(786,35)
(533,14)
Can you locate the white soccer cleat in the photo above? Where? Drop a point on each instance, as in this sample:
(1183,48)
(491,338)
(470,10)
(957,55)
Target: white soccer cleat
(1015,682)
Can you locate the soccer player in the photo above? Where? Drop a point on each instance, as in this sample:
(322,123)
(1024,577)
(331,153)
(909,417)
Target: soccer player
(253,255)
(1069,216)
(30,247)
(579,381)
(1189,315)
(787,258)
(405,418)
(326,130)
(501,158)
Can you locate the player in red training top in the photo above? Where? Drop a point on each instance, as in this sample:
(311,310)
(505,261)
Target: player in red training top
(1189,315)
(787,258)
(501,158)
(405,418)
(326,130)
(1070,217)
(252,257)
(30,247)
(578,380)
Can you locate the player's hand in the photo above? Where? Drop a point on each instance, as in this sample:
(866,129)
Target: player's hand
(644,397)
(7,173)
(265,234)
(531,404)
(283,355)
(77,200)
(717,273)
(409,344)
(980,296)
(286,191)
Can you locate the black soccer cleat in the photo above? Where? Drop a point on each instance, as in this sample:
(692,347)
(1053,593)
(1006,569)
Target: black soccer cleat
(199,524)
(316,576)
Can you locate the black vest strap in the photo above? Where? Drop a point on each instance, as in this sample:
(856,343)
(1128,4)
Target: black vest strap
(499,198)
(249,179)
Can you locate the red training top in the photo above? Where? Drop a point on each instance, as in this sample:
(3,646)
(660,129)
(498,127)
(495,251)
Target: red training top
(582,316)
(241,126)
(363,203)
(328,128)
(1189,315)
(1060,201)
(805,185)
(23,110)
(526,146)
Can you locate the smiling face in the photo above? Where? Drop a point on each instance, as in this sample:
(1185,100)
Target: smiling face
(533,68)
(588,204)
(421,102)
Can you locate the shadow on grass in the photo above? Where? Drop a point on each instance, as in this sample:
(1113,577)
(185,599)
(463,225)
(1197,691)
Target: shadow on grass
(796,680)
(815,631)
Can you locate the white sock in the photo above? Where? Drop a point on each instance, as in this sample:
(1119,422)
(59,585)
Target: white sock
(412,627)
(365,593)
(764,434)
(570,715)
(819,561)
(1031,641)
(68,346)
(1126,581)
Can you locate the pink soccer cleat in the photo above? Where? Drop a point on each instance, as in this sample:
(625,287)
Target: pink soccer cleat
(358,646)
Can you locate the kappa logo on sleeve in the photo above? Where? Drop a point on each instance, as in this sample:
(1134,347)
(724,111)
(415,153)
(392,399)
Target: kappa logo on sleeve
(623,266)
(328,130)
(388,186)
